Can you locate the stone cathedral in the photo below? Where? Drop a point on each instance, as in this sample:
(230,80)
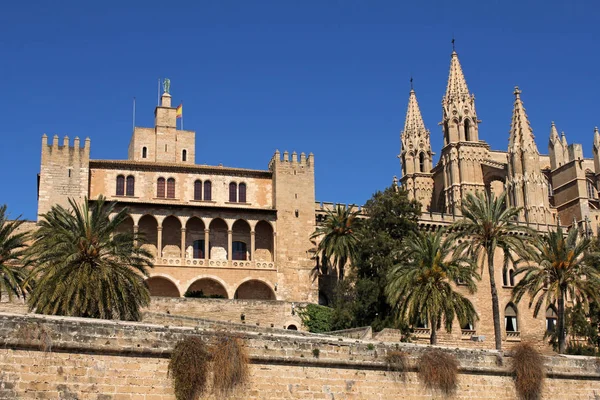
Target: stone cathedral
(561,187)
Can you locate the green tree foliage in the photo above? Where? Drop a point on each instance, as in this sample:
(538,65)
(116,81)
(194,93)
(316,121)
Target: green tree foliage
(316,318)
(84,266)
(560,265)
(339,241)
(488,224)
(420,287)
(12,246)
(361,301)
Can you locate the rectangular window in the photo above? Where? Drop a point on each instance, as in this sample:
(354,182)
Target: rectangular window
(242,192)
(171,188)
(120,185)
(130,186)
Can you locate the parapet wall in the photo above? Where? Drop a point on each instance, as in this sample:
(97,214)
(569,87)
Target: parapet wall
(75,358)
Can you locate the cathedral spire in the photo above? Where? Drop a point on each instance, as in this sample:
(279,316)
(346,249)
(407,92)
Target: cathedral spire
(457,84)
(521,134)
(555,148)
(554,134)
(413,124)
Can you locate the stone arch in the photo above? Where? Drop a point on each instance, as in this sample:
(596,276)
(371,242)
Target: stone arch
(210,286)
(163,286)
(148,231)
(171,237)
(218,239)
(240,240)
(494,184)
(263,233)
(126,226)
(254,289)
(194,238)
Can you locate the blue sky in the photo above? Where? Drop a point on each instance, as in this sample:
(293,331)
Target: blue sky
(328,77)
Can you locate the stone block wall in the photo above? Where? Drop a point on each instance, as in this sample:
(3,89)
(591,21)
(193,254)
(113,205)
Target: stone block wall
(95,359)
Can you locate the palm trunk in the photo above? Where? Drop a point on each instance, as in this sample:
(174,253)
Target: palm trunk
(561,322)
(433,337)
(341,265)
(495,307)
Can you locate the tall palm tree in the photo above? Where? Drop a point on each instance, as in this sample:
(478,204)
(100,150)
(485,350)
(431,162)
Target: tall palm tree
(83,265)
(488,224)
(420,288)
(338,238)
(561,264)
(12,246)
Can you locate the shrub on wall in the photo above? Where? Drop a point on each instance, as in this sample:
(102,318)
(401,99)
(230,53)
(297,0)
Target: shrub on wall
(199,294)
(316,318)
(438,370)
(230,365)
(189,368)
(528,371)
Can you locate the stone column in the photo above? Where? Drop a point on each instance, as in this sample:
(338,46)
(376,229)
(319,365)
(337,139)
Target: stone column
(252,244)
(135,233)
(206,244)
(182,242)
(229,244)
(159,242)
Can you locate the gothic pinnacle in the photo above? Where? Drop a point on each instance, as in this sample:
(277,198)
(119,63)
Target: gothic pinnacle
(457,85)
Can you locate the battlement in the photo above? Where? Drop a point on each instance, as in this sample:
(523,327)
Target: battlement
(284,159)
(65,153)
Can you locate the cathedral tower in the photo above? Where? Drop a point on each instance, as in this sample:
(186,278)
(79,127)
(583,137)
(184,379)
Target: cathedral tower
(527,187)
(462,153)
(416,155)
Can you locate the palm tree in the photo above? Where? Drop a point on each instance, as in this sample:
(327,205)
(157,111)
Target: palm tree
(12,246)
(83,265)
(561,264)
(489,224)
(420,289)
(338,238)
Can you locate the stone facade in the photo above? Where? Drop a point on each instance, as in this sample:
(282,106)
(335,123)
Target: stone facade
(94,359)
(229,232)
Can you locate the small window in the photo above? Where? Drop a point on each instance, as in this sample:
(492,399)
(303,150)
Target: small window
(207,190)
(242,192)
(160,188)
(184,155)
(511,277)
(239,250)
(232,192)
(198,190)
(422,162)
(591,190)
(467,130)
(198,248)
(120,185)
(510,319)
(551,318)
(130,191)
(144,152)
(170,188)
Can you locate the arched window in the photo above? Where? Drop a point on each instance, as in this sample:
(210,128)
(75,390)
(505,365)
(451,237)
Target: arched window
(446,133)
(160,188)
(184,155)
(550,189)
(207,190)
(422,162)
(238,251)
(510,318)
(198,190)
(505,277)
(130,190)
(467,130)
(242,192)
(171,188)
(120,185)
(551,318)
(511,277)
(198,248)
(144,152)
(591,190)
(232,192)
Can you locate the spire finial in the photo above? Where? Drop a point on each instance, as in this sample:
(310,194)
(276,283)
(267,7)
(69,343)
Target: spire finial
(453,48)
(596,129)
(517,92)
(411,83)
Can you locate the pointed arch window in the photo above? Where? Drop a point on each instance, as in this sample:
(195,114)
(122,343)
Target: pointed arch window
(242,192)
(421,162)
(207,190)
(120,185)
(591,190)
(130,188)
(446,133)
(160,188)
(510,318)
(467,130)
(232,192)
(171,188)
(551,318)
(198,190)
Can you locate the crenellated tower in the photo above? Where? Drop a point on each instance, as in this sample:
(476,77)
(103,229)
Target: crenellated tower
(416,155)
(462,153)
(526,184)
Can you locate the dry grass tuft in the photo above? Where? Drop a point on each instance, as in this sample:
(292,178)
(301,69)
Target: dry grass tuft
(189,368)
(230,365)
(438,370)
(397,361)
(528,371)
